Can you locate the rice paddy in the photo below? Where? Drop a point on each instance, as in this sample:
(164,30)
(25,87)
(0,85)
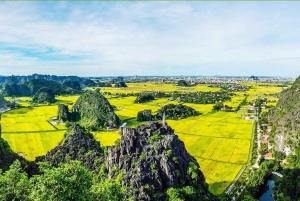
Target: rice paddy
(220,141)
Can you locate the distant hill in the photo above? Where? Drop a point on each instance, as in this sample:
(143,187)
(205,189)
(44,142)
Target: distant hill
(25,78)
(285,119)
(29,88)
(252,78)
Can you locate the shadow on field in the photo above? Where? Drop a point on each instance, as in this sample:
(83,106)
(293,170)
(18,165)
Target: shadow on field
(219,187)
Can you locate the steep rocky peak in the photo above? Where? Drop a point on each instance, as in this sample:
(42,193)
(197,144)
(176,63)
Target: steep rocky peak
(78,144)
(153,159)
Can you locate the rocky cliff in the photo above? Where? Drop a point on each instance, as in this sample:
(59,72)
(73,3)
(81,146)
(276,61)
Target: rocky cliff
(4,104)
(78,144)
(153,160)
(285,119)
(94,111)
(63,114)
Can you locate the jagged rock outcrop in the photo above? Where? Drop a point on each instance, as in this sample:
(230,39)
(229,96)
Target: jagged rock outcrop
(94,111)
(144,115)
(78,144)
(63,113)
(153,159)
(285,119)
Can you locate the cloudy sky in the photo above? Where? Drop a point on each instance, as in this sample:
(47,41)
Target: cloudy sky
(150,38)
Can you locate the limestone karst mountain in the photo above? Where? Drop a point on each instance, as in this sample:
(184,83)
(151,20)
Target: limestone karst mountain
(285,119)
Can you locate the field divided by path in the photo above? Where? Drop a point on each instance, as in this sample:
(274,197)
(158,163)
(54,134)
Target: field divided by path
(220,141)
(29,132)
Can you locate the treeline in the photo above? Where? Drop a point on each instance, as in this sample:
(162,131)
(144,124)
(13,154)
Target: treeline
(68,181)
(171,111)
(186,97)
(230,86)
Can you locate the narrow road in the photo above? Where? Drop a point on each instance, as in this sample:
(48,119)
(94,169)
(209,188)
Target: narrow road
(256,165)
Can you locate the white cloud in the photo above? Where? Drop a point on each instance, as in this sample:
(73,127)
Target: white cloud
(142,38)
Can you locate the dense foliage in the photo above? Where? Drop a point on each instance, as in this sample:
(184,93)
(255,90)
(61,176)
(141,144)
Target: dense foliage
(120,84)
(44,95)
(201,97)
(144,97)
(287,188)
(182,83)
(72,84)
(230,86)
(88,83)
(93,111)
(68,181)
(179,111)
(144,115)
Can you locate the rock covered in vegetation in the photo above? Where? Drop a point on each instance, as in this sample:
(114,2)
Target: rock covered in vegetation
(94,111)
(144,97)
(29,88)
(78,144)
(63,114)
(44,95)
(74,85)
(88,83)
(120,84)
(182,83)
(285,119)
(179,111)
(144,115)
(153,160)
(4,104)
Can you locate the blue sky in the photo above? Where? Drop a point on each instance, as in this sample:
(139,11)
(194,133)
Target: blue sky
(150,38)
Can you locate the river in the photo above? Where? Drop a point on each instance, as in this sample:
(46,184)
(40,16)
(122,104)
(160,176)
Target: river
(267,196)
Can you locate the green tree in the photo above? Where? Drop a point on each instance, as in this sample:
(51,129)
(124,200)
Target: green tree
(107,190)
(69,181)
(174,194)
(14,183)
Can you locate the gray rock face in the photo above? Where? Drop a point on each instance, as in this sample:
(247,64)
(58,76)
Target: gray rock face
(63,113)
(153,159)
(78,145)
(144,115)
(285,119)
(4,104)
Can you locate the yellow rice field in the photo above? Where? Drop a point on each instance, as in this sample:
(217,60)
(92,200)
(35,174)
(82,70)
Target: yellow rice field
(220,141)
